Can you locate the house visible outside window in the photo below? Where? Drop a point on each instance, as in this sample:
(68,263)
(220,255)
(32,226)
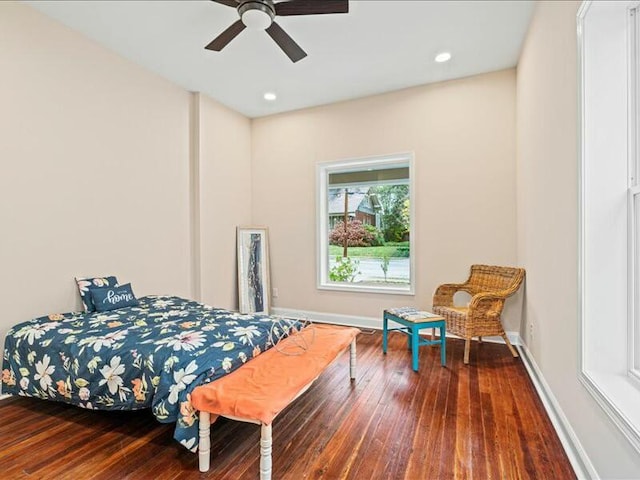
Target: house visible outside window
(363,205)
(365,224)
(608,34)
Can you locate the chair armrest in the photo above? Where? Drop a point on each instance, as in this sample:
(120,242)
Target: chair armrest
(444,294)
(489,303)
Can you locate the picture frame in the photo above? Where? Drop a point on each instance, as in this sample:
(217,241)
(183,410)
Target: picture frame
(253,270)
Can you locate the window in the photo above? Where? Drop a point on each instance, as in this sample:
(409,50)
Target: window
(365,225)
(610,211)
(634,191)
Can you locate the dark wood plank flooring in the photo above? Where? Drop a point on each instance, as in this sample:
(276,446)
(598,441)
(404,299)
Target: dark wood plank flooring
(481,421)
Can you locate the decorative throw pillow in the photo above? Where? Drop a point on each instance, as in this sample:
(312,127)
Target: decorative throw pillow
(112,298)
(86,284)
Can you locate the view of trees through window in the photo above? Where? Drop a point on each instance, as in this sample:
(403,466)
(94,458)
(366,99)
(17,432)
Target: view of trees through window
(369,234)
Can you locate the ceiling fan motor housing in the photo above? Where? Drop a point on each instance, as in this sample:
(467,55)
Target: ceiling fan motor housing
(257,14)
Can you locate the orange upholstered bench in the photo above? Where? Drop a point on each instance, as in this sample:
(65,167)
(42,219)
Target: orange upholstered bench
(264,386)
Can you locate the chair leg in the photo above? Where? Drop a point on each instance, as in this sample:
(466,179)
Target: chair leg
(513,350)
(467,344)
(479,339)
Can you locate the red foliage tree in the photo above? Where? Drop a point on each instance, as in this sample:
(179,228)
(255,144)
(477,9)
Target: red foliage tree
(357,235)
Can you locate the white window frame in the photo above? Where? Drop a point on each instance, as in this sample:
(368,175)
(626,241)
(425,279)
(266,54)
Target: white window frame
(634,194)
(609,267)
(322,182)
(634,280)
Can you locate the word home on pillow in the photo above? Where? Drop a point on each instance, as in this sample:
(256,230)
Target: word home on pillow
(113,298)
(85,285)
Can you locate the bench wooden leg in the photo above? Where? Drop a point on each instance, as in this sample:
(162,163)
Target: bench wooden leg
(265,452)
(204,446)
(352,360)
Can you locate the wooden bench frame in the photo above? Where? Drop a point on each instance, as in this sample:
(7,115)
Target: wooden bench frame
(204,448)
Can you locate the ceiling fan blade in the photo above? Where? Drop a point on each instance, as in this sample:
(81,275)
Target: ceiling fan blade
(225,37)
(228,3)
(312,7)
(286,43)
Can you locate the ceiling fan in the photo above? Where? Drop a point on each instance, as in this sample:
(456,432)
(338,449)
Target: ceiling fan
(259,14)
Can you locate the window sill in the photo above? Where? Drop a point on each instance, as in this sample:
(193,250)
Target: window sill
(619,397)
(367,289)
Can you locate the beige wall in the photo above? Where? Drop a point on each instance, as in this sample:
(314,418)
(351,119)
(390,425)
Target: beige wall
(547,183)
(225,197)
(463,136)
(95,178)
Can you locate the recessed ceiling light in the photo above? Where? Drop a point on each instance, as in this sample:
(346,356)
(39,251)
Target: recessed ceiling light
(443,57)
(270,96)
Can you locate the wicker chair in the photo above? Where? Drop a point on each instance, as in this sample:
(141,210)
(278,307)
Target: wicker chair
(489,287)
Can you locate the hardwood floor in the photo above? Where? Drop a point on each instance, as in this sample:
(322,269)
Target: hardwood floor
(481,421)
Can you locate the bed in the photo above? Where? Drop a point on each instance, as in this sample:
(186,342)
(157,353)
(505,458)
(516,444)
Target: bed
(152,355)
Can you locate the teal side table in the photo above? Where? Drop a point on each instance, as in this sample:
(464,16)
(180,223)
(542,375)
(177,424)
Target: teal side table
(412,322)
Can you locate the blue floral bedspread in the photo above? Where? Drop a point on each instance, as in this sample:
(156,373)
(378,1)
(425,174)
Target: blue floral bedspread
(149,356)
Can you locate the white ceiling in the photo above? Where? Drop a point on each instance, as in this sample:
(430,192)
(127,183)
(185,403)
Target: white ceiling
(379,46)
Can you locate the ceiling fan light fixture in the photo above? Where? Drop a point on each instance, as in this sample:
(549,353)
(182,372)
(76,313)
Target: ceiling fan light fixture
(443,57)
(256,15)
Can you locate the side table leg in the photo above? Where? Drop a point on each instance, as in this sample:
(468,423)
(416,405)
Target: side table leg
(443,346)
(414,346)
(385,331)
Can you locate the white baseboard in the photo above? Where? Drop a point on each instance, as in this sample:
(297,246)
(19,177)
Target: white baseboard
(349,320)
(579,459)
(373,323)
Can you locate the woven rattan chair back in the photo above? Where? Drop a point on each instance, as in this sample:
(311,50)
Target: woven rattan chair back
(490,278)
